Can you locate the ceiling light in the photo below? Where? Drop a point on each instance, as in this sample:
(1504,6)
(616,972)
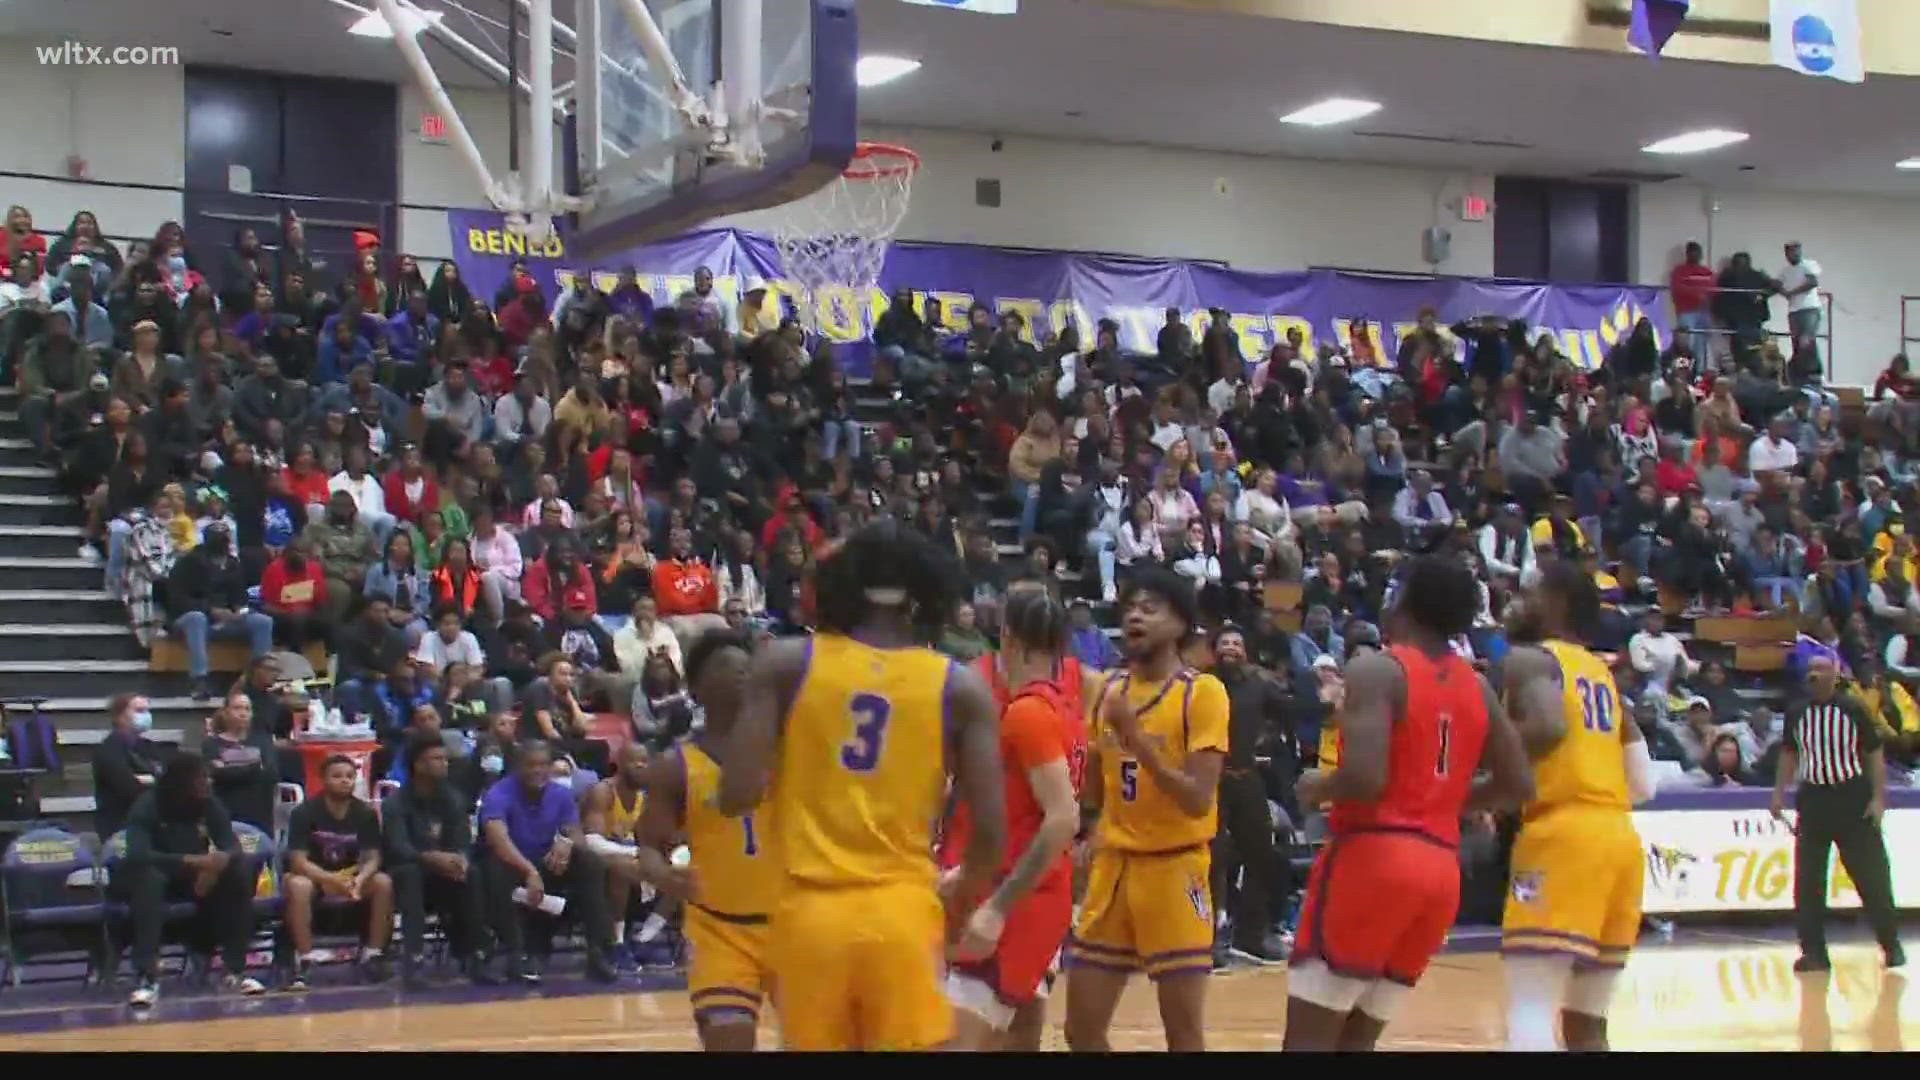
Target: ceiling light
(1331,111)
(1696,142)
(875,70)
(1911,164)
(413,20)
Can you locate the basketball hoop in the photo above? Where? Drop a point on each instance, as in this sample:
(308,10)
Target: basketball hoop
(838,236)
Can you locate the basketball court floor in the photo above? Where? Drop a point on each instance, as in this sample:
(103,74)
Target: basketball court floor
(1707,991)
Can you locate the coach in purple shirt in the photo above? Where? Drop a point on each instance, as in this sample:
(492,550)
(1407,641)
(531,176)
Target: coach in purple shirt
(531,839)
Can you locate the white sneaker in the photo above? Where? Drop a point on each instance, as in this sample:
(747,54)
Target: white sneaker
(244,985)
(1109,594)
(144,995)
(650,929)
(91,554)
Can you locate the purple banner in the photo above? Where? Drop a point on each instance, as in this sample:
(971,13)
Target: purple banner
(1048,287)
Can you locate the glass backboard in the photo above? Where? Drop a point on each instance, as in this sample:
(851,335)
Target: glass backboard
(654,170)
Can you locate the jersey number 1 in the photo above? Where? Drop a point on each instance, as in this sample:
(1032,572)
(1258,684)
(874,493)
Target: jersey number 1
(746,826)
(1446,743)
(861,752)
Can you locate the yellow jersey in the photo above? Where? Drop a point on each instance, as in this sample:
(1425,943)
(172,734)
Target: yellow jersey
(737,874)
(1588,767)
(623,821)
(861,774)
(1185,714)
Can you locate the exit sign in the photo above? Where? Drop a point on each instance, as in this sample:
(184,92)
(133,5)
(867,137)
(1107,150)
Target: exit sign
(433,128)
(1474,207)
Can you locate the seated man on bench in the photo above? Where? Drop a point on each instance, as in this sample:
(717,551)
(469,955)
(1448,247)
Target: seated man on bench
(333,853)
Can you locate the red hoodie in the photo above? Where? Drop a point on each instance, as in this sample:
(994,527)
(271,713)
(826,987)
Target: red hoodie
(812,536)
(413,511)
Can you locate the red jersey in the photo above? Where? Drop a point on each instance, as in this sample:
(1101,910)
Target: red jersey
(1432,754)
(1043,722)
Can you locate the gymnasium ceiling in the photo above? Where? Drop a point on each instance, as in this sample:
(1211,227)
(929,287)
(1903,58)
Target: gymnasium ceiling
(1129,73)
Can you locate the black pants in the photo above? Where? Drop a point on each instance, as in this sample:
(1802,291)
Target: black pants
(223,916)
(1836,815)
(417,889)
(584,885)
(1246,834)
(295,631)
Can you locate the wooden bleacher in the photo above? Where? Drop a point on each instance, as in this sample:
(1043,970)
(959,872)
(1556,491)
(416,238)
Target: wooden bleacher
(1283,599)
(169,657)
(1750,630)
(1761,657)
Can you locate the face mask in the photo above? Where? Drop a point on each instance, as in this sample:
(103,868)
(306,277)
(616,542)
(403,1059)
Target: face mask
(177,264)
(143,721)
(492,764)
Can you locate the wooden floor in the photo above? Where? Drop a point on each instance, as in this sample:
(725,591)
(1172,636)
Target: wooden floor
(1731,994)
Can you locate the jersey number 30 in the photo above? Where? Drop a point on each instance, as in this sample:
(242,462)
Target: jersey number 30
(1596,704)
(861,752)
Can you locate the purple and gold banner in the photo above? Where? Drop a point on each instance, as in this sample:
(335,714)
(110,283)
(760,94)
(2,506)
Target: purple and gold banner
(1049,287)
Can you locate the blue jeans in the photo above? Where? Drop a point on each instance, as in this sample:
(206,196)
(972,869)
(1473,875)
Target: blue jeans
(1100,549)
(197,627)
(1804,323)
(1638,552)
(1851,583)
(1779,585)
(1029,496)
(117,532)
(1695,324)
(838,431)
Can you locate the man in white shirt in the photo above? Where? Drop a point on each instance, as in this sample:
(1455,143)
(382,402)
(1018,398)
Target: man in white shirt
(1800,284)
(1774,451)
(1659,656)
(1420,509)
(450,643)
(368,496)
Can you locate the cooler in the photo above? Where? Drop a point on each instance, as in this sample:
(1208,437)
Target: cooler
(315,752)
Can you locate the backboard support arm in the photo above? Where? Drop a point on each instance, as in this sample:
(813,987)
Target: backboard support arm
(461,138)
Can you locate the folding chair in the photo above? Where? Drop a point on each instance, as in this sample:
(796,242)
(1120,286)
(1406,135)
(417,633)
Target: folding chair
(51,890)
(286,798)
(120,912)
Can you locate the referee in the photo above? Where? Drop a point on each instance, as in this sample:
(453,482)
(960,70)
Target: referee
(1831,748)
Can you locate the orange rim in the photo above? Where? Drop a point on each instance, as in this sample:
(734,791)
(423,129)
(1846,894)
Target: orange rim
(881,161)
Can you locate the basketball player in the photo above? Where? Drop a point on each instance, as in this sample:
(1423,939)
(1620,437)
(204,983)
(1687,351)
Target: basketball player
(850,730)
(1416,723)
(1573,906)
(731,881)
(1160,743)
(1008,942)
(609,813)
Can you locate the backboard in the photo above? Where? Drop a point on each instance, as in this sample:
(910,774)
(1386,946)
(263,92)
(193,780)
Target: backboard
(704,108)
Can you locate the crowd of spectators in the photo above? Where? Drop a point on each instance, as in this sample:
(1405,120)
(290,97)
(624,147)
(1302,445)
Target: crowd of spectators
(505,516)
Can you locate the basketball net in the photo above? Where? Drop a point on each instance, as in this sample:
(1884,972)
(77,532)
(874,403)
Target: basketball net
(838,236)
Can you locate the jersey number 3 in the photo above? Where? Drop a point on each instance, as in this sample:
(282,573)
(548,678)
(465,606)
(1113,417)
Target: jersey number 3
(861,752)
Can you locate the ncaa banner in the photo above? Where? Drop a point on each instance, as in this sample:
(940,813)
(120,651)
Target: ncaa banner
(1052,289)
(1818,37)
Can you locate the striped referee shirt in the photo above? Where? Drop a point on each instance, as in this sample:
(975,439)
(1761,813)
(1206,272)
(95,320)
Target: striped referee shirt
(1832,739)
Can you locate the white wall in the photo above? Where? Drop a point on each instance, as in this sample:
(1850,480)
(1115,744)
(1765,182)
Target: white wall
(1865,246)
(128,123)
(1274,214)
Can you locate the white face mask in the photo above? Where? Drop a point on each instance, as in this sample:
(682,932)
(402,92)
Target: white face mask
(143,721)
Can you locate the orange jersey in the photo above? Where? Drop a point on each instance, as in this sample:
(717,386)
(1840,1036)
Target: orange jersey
(1432,754)
(1039,726)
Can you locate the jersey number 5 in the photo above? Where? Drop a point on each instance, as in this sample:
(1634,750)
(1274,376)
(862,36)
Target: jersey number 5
(861,752)
(1129,780)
